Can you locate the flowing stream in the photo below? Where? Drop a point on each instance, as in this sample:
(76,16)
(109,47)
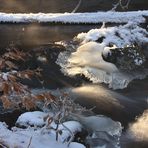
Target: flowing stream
(121,105)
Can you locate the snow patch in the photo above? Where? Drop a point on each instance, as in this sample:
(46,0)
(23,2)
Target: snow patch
(46,136)
(35,118)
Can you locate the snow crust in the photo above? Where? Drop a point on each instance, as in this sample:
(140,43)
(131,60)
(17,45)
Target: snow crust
(38,137)
(22,137)
(100,123)
(35,118)
(95,17)
(120,36)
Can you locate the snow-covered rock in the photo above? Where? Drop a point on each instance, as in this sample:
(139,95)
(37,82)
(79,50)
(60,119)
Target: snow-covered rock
(87,59)
(39,137)
(35,118)
(120,36)
(23,138)
(46,136)
(99,123)
(126,59)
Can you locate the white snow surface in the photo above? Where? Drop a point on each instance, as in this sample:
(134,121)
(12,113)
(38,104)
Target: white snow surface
(45,137)
(94,17)
(22,137)
(120,36)
(35,118)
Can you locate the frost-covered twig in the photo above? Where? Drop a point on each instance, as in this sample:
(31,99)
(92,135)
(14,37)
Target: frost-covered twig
(77,7)
(29,142)
(3,145)
(119,3)
(72,135)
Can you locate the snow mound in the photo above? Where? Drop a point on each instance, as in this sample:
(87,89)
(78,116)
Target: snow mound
(34,138)
(46,136)
(35,118)
(73,126)
(120,36)
(100,123)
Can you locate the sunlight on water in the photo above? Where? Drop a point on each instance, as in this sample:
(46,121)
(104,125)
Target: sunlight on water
(14,4)
(104,98)
(139,129)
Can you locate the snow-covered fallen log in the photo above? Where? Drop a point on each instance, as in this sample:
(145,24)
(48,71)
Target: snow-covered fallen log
(76,18)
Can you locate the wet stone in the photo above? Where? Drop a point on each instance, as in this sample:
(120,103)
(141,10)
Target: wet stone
(127,58)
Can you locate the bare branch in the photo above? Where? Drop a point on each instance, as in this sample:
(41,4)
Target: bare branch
(119,3)
(77,7)
(29,142)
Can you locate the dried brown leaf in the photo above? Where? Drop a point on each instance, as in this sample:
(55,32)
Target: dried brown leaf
(28,103)
(6,88)
(12,78)
(40,97)
(10,65)
(6,102)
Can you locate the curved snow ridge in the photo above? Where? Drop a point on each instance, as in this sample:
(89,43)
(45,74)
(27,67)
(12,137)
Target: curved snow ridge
(93,17)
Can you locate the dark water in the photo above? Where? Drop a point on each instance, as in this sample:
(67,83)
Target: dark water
(26,6)
(36,34)
(123,108)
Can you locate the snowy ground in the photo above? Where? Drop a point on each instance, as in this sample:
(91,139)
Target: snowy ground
(98,17)
(44,136)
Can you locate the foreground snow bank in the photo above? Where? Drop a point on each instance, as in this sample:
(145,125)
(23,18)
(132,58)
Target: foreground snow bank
(35,118)
(33,137)
(98,17)
(38,137)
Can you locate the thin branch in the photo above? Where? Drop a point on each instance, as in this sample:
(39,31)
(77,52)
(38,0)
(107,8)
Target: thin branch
(103,25)
(72,135)
(115,6)
(124,6)
(3,145)
(119,3)
(29,142)
(77,7)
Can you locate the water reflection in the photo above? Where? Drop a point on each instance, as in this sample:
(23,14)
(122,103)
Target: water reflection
(139,129)
(107,102)
(52,6)
(37,34)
